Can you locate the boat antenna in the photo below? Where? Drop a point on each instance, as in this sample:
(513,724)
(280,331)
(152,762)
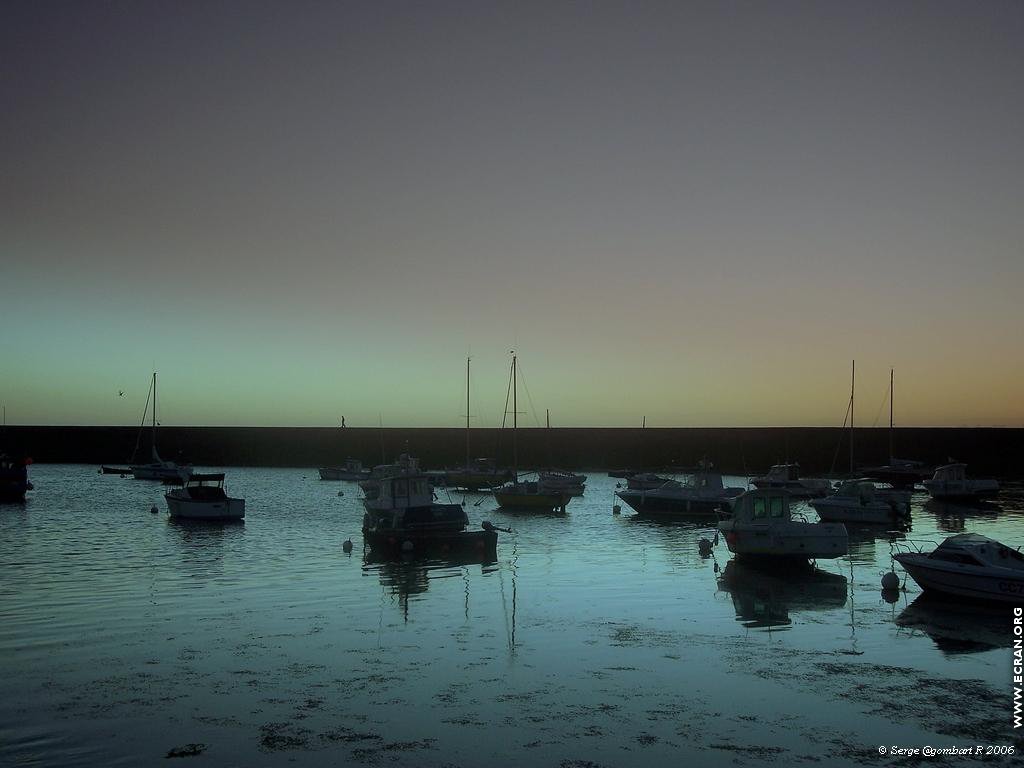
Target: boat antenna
(515,423)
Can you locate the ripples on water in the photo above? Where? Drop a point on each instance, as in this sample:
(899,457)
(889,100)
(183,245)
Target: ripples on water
(594,637)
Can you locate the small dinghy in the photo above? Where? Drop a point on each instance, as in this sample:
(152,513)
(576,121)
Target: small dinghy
(968,565)
(202,497)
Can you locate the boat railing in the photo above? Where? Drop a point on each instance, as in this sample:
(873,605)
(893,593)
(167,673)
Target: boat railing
(911,546)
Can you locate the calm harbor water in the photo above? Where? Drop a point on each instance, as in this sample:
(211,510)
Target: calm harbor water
(594,639)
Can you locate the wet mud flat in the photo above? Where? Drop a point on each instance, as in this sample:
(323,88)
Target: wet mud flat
(625,696)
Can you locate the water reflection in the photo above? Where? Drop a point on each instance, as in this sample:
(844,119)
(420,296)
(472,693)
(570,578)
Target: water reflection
(764,598)
(953,517)
(864,539)
(958,627)
(408,576)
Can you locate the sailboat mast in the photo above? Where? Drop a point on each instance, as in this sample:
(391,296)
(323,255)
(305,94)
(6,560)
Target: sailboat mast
(891,396)
(154,416)
(467,412)
(515,409)
(853,380)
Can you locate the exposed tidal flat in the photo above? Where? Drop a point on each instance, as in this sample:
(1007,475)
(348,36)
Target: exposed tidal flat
(593,640)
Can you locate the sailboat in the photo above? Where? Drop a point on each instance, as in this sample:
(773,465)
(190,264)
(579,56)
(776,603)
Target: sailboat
(477,475)
(900,473)
(858,500)
(158,469)
(530,496)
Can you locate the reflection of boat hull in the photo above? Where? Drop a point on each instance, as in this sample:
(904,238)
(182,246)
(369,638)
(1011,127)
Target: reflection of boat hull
(963,580)
(653,504)
(215,510)
(397,542)
(956,626)
(765,597)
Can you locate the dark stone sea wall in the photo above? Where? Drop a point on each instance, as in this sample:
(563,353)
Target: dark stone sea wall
(742,451)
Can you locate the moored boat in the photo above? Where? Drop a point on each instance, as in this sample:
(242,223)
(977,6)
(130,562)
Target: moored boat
(950,481)
(701,495)
(403,517)
(352,470)
(860,501)
(14,481)
(157,468)
(202,497)
(787,477)
(968,565)
(762,526)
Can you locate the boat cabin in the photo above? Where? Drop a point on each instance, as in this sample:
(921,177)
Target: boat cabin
(978,550)
(951,473)
(208,487)
(862,489)
(764,505)
(406,491)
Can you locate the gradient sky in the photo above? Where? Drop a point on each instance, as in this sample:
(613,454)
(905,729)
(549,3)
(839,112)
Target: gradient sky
(693,212)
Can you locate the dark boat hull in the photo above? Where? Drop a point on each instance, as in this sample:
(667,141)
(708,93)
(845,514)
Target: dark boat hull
(651,505)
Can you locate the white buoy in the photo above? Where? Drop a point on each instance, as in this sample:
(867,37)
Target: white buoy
(890,581)
(153,509)
(346,545)
(616,509)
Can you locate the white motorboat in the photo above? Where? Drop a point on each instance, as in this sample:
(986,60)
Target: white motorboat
(950,481)
(968,565)
(202,497)
(787,477)
(861,501)
(762,525)
(353,470)
(701,495)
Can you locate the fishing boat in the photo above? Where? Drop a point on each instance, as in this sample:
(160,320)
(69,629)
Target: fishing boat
(14,483)
(899,473)
(787,477)
(403,517)
(526,496)
(968,565)
(157,468)
(202,497)
(763,526)
(861,501)
(950,481)
(703,494)
(352,470)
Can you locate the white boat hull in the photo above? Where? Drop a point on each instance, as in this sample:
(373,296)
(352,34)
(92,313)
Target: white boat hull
(190,509)
(852,511)
(160,471)
(789,539)
(961,489)
(963,580)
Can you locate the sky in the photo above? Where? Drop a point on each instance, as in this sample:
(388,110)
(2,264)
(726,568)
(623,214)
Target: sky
(696,213)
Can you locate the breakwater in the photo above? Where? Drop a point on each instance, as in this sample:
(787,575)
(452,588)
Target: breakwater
(741,450)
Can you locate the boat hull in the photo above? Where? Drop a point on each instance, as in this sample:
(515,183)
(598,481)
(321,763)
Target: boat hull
(962,490)
(962,580)
(218,510)
(532,502)
(834,511)
(651,504)
(786,541)
(340,473)
(160,472)
(797,489)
